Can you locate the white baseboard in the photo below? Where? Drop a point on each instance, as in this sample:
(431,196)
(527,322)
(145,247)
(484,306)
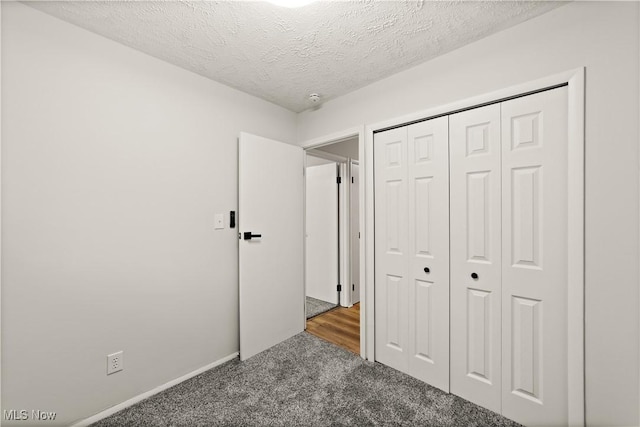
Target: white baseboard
(120,406)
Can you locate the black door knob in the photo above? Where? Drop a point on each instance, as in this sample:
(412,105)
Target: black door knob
(426,270)
(474,275)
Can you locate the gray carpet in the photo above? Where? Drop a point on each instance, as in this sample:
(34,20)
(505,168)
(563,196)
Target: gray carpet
(303,381)
(316,306)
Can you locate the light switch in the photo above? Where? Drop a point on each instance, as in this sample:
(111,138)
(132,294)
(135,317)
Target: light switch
(218,222)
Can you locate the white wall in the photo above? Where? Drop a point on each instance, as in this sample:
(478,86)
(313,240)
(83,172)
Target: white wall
(604,38)
(348,148)
(316,161)
(113,165)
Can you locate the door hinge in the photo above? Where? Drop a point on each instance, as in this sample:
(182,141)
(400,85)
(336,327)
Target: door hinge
(353,286)
(339,180)
(358,234)
(352,180)
(339,288)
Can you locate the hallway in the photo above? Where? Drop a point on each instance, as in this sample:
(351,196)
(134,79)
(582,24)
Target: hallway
(340,326)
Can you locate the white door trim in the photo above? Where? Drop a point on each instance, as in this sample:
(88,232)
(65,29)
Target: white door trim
(309,145)
(345,231)
(575,79)
(639,181)
(350,245)
(1,197)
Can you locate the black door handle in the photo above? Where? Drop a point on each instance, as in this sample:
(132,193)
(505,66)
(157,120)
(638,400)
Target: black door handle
(248,235)
(474,275)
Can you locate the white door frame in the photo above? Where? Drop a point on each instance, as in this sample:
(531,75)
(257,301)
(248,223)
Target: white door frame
(333,138)
(343,234)
(575,80)
(639,216)
(0,199)
(349,297)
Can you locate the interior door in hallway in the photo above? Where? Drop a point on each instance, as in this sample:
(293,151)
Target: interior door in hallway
(321,272)
(476,256)
(270,222)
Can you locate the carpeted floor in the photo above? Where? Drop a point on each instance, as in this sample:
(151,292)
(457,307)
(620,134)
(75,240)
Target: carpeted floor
(304,381)
(316,306)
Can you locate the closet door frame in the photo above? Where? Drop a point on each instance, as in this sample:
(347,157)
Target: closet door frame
(575,81)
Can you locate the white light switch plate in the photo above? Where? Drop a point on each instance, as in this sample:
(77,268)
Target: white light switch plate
(218,222)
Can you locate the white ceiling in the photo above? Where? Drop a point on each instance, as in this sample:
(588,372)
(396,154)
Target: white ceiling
(282,55)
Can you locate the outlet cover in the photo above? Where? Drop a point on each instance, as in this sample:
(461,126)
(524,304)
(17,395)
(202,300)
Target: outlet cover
(115,362)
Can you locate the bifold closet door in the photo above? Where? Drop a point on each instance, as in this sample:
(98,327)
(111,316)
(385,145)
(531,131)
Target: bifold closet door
(412,250)
(534,258)
(475,174)
(429,251)
(509,256)
(391,249)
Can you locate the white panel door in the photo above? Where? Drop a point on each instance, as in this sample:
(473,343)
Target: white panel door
(391,249)
(270,204)
(428,278)
(476,256)
(354,221)
(321,273)
(412,250)
(534,261)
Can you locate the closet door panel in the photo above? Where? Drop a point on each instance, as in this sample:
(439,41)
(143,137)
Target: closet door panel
(476,255)
(391,249)
(534,262)
(428,180)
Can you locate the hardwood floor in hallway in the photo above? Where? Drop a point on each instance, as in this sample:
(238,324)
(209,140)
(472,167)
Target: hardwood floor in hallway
(340,326)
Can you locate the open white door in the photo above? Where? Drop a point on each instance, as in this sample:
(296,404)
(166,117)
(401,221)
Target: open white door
(270,223)
(322,233)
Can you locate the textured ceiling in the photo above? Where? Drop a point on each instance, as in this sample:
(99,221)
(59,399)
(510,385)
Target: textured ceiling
(282,55)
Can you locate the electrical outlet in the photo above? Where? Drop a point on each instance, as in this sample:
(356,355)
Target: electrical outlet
(115,362)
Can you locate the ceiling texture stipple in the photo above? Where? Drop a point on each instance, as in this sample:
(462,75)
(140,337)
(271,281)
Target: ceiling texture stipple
(282,55)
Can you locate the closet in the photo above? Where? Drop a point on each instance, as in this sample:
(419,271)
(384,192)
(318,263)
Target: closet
(471,251)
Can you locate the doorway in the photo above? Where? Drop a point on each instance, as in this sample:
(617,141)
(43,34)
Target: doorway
(332,243)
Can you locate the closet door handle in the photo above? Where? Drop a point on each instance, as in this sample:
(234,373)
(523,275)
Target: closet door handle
(426,270)
(474,276)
